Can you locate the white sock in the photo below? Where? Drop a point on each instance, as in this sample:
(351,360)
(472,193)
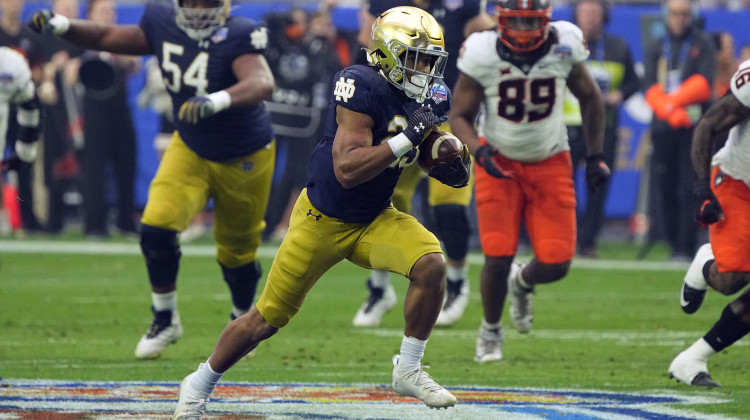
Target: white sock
(412,350)
(205,380)
(380,278)
(700,350)
(237,312)
(458,273)
(487,326)
(522,281)
(489,331)
(694,276)
(164,301)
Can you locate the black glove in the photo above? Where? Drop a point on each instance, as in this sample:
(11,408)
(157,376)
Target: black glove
(455,174)
(597,172)
(195,109)
(13,163)
(483,157)
(46,22)
(707,207)
(420,123)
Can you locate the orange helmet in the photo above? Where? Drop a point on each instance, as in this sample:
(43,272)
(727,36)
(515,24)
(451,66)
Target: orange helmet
(523,24)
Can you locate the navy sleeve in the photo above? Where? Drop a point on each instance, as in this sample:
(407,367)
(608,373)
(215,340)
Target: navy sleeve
(253,38)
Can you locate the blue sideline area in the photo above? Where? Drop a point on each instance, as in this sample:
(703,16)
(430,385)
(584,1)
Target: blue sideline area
(632,22)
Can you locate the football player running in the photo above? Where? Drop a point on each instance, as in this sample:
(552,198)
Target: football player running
(722,202)
(378,114)
(222,148)
(523,170)
(449,207)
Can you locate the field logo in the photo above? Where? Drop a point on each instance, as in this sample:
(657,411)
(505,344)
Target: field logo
(155,400)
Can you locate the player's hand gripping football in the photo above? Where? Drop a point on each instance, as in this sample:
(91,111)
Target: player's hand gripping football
(707,207)
(597,171)
(454,174)
(420,123)
(46,22)
(484,158)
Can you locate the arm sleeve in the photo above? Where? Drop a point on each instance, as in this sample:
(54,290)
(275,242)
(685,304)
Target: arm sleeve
(352,91)
(256,41)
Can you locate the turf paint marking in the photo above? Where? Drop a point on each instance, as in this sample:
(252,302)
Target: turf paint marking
(47,399)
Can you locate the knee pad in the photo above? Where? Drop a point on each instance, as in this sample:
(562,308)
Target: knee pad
(162,253)
(452,227)
(242,282)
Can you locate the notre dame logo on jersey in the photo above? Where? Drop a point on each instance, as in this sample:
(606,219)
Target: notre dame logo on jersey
(344,89)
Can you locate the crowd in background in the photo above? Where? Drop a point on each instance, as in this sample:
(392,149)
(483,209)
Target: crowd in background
(87,173)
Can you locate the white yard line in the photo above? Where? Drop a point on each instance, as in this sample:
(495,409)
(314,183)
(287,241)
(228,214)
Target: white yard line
(107,248)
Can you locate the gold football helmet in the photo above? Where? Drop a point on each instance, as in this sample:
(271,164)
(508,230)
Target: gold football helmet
(401,38)
(200,18)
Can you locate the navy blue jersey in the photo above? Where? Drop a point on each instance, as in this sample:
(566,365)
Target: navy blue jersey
(362,89)
(195,68)
(452,15)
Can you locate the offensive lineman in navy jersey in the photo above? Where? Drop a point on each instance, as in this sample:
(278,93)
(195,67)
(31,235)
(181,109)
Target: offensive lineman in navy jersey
(375,122)
(222,148)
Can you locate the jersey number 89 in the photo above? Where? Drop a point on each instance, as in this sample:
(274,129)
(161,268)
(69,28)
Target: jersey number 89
(512,95)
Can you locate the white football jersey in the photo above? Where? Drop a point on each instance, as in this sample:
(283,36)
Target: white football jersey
(15,85)
(524,118)
(734,157)
(15,77)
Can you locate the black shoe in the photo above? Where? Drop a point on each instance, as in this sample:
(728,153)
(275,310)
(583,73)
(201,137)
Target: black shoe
(690,298)
(704,379)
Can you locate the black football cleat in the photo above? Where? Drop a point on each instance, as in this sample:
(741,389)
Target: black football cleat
(704,379)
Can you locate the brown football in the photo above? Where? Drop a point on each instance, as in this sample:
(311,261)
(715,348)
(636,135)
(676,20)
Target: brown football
(440,146)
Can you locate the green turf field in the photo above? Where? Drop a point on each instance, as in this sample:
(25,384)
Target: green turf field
(612,326)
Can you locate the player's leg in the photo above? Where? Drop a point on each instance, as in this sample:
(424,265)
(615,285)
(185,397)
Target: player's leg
(724,264)
(381,296)
(397,242)
(499,205)
(690,366)
(550,217)
(301,260)
(177,192)
(450,209)
(727,272)
(240,192)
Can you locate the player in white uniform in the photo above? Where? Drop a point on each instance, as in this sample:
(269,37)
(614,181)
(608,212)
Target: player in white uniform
(722,193)
(518,73)
(17,88)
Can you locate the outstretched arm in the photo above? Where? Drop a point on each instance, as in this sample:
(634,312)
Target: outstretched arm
(118,39)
